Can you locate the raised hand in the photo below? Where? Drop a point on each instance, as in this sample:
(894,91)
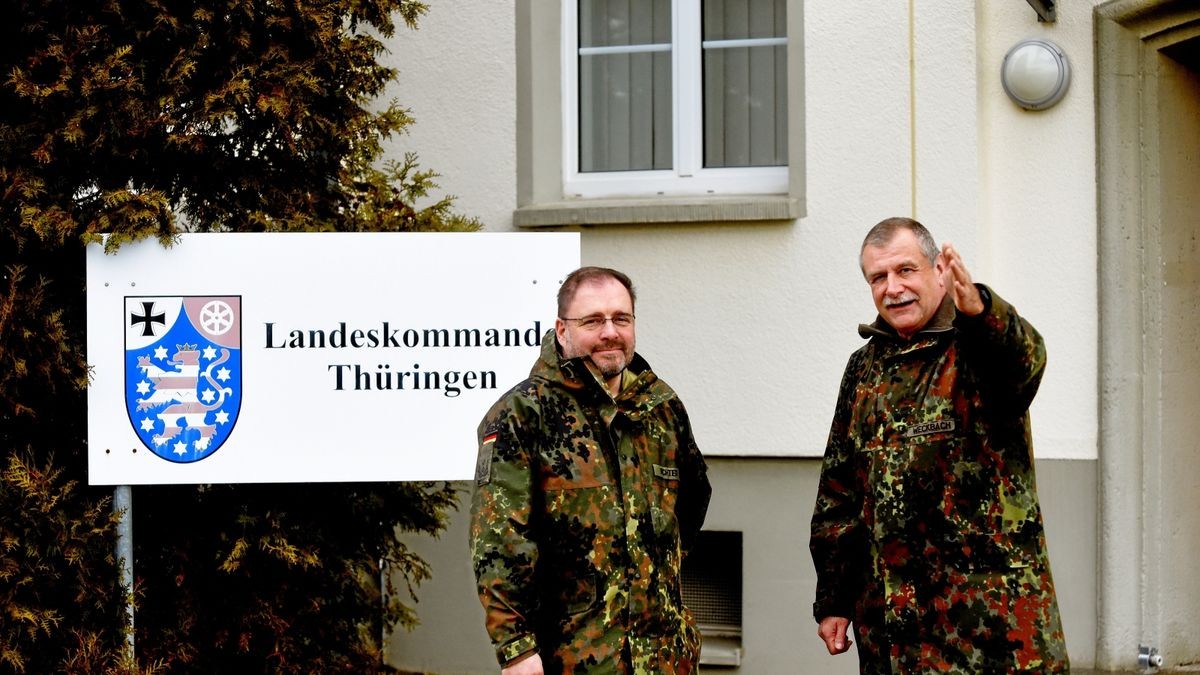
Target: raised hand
(958,282)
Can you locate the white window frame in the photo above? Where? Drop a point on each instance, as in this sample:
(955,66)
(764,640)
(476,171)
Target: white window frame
(688,177)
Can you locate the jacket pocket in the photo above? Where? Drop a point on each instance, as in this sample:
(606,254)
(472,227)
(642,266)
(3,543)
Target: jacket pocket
(573,530)
(581,594)
(988,553)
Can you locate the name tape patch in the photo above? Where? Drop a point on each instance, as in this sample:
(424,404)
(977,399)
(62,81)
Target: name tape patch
(666,472)
(926,428)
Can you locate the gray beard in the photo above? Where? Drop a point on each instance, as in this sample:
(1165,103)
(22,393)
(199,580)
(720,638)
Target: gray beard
(609,372)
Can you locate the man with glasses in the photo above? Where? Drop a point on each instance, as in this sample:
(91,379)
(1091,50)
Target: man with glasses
(927,535)
(589,489)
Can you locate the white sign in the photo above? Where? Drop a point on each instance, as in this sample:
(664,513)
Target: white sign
(287,357)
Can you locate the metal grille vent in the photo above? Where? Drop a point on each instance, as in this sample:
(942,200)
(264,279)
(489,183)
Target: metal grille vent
(712,582)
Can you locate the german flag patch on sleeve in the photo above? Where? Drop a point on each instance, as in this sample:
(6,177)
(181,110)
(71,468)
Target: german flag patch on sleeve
(483,464)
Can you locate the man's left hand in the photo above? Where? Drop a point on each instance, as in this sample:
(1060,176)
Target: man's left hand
(958,282)
(832,631)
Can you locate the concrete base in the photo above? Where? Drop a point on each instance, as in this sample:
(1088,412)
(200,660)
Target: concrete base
(770,501)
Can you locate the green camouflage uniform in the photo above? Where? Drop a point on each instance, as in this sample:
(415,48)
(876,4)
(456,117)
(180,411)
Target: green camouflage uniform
(582,510)
(927,532)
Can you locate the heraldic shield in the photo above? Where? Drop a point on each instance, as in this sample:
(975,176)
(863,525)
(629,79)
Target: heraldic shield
(183,372)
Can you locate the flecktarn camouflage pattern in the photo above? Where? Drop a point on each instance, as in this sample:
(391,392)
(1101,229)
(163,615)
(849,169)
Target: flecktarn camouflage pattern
(927,531)
(582,510)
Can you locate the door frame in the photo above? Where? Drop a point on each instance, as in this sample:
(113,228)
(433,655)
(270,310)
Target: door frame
(1129,34)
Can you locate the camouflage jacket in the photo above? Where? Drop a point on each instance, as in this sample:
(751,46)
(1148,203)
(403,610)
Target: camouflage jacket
(582,510)
(927,531)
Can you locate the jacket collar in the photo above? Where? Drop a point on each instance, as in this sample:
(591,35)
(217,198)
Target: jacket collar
(581,375)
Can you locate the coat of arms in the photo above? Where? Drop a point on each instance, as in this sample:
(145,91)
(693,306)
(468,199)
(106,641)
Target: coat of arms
(183,372)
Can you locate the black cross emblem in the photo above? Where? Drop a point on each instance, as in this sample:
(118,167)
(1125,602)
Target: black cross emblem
(147,319)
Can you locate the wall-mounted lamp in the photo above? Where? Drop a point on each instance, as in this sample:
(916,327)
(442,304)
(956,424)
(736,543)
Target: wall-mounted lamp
(1035,74)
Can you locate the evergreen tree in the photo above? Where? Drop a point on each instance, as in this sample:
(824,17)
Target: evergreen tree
(146,119)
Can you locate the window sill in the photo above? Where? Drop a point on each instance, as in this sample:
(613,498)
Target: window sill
(651,210)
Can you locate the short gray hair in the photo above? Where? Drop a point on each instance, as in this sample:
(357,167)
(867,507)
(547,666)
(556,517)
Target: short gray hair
(885,230)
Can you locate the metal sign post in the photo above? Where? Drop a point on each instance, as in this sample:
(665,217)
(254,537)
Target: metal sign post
(123,505)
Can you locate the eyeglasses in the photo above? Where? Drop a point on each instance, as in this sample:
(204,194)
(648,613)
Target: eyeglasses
(596,321)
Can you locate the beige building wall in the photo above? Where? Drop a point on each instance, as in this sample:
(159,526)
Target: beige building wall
(933,137)
(900,112)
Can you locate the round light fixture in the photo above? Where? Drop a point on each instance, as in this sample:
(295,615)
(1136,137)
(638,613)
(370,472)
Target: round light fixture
(1035,74)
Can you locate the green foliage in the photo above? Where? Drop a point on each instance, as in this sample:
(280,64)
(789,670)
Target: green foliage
(145,119)
(292,575)
(58,581)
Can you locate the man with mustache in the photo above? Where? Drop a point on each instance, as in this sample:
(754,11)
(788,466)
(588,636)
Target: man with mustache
(589,488)
(927,534)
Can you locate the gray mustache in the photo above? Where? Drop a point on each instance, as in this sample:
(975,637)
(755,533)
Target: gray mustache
(907,297)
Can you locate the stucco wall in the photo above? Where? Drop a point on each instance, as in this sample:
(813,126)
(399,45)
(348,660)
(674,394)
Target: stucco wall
(756,312)
(752,323)
(1038,210)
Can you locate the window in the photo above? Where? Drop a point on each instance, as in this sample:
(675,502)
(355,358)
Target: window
(674,97)
(672,159)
